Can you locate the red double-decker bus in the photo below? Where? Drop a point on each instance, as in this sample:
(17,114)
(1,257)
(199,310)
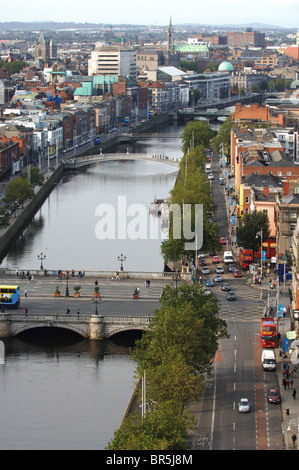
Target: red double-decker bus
(268,332)
(245,258)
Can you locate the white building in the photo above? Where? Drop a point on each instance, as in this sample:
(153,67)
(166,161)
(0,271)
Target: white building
(112,60)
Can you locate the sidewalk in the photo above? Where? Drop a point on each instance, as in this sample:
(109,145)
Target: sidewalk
(289,405)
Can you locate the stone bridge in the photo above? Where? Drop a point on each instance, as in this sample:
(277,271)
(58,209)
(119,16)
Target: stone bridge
(78,162)
(94,327)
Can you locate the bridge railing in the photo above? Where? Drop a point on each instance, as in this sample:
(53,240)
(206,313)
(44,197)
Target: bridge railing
(93,274)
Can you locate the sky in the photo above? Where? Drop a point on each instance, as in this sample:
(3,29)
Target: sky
(155,12)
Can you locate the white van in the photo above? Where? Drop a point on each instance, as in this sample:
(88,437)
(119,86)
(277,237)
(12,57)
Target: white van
(208,167)
(268,360)
(228,257)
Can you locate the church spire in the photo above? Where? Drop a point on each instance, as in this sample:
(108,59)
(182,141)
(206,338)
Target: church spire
(170,36)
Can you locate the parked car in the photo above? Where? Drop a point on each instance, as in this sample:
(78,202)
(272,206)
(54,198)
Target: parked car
(209,283)
(215,259)
(231,268)
(202,262)
(207,292)
(205,271)
(210,176)
(218,278)
(226,286)
(274,396)
(237,273)
(219,270)
(244,406)
(222,241)
(231,295)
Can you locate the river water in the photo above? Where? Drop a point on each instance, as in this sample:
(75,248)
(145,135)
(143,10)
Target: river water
(56,394)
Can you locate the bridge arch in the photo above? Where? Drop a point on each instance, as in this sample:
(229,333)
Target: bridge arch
(53,325)
(122,330)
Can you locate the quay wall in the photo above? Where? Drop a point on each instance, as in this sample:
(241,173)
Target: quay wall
(25,215)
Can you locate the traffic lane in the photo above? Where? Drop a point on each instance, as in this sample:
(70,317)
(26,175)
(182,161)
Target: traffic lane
(134,308)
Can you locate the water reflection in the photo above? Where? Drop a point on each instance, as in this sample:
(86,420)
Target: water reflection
(65,228)
(63,394)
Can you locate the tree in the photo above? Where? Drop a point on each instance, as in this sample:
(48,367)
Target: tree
(34,176)
(176,350)
(252,224)
(4,217)
(196,133)
(188,323)
(18,190)
(164,427)
(223,136)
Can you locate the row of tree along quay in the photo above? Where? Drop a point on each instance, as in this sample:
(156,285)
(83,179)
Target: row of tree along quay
(192,187)
(19,190)
(174,354)
(177,349)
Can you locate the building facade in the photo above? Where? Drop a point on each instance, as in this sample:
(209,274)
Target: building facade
(113,60)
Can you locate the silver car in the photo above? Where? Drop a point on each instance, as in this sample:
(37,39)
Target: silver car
(244,406)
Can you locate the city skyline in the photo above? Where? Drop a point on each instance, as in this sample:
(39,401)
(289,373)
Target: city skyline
(270,12)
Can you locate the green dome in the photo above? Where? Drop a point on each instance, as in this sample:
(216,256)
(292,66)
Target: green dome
(225,67)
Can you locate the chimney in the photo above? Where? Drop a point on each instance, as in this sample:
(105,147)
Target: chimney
(266,191)
(286,187)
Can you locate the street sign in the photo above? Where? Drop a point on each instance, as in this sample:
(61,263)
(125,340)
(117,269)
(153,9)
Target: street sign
(264,255)
(280,311)
(285,344)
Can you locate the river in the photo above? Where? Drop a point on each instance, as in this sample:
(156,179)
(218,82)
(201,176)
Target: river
(57,394)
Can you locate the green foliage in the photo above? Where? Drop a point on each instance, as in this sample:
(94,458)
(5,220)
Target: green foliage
(251,225)
(177,348)
(223,136)
(192,187)
(13,67)
(163,428)
(18,190)
(196,133)
(4,217)
(34,176)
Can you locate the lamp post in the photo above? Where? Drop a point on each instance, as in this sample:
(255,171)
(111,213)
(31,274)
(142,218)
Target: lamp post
(41,257)
(121,258)
(96,301)
(260,234)
(67,276)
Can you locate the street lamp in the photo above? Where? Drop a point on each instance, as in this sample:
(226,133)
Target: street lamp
(67,276)
(260,234)
(121,258)
(42,257)
(96,301)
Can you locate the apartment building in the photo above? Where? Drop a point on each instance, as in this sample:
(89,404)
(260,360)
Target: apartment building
(112,60)
(248,38)
(287,216)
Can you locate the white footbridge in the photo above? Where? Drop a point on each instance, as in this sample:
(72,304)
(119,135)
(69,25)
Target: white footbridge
(102,158)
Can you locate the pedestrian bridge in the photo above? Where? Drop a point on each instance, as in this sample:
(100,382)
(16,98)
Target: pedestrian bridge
(94,327)
(78,162)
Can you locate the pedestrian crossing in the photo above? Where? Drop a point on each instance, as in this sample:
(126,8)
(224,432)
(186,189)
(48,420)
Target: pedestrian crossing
(248,305)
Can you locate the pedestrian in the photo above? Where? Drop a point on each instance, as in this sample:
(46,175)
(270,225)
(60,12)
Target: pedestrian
(117,276)
(25,292)
(284,383)
(26,311)
(291,383)
(294,393)
(78,312)
(294,438)
(288,383)
(67,310)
